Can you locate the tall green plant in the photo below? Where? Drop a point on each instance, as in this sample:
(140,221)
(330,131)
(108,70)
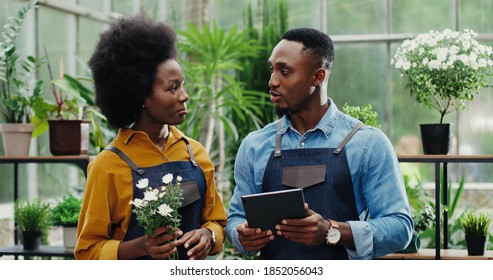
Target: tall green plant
(453,199)
(267,29)
(19,87)
(212,56)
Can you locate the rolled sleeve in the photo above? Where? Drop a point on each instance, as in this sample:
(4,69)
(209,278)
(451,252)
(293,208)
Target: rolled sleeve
(363,241)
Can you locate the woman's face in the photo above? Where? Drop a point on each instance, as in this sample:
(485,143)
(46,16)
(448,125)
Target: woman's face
(166,104)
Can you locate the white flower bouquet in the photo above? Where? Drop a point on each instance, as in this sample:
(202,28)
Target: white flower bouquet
(444,69)
(159,206)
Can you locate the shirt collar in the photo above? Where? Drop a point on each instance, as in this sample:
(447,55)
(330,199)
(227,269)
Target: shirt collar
(126,134)
(326,124)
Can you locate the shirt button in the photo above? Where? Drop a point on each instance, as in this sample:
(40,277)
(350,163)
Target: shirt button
(302,144)
(164,158)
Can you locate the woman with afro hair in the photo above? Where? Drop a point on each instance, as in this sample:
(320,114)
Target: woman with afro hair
(139,88)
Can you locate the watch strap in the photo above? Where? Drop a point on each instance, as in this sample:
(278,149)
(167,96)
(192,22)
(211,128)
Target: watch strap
(333,224)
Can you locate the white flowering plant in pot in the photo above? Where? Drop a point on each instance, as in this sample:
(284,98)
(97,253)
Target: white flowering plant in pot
(159,206)
(442,70)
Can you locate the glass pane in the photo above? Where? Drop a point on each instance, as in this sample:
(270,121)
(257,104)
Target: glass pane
(304,14)
(87,41)
(359,78)
(125,7)
(476,15)
(419,16)
(356,17)
(228,12)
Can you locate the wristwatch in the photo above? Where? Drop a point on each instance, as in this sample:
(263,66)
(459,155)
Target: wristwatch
(334,233)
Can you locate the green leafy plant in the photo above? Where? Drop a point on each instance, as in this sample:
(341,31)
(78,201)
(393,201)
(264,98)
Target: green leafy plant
(212,54)
(475,222)
(442,70)
(454,195)
(424,219)
(19,86)
(265,24)
(422,211)
(66,211)
(363,113)
(32,216)
(73,100)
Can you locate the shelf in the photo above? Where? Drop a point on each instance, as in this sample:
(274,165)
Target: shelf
(445,254)
(44,251)
(441,162)
(81,161)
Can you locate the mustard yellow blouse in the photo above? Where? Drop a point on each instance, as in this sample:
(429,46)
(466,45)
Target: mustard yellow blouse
(106,211)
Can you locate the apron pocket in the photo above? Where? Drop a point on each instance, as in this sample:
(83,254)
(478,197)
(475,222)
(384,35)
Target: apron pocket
(190,193)
(303,176)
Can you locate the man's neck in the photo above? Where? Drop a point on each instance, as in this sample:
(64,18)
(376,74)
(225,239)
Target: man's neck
(306,120)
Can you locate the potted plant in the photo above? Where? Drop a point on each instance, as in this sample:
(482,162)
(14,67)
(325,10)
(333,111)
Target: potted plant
(422,220)
(443,70)
(19,88)
(65,213)
(476,226)
(32,219)
(366,114)
(69,116)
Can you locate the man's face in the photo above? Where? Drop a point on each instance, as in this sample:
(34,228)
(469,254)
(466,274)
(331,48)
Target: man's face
(292,80)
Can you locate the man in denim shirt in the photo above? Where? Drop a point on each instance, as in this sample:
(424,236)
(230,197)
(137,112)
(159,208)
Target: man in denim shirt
(356,202)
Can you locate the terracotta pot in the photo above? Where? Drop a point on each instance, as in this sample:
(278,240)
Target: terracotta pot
(69,137)
(436,138)
(16,138)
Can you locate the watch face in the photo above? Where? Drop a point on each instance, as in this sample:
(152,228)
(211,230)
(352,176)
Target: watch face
(333,236)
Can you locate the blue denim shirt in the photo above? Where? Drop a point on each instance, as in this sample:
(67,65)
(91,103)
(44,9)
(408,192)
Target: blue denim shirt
(377,180)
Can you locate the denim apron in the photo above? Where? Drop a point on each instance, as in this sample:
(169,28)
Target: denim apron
(193,185)
(323,174)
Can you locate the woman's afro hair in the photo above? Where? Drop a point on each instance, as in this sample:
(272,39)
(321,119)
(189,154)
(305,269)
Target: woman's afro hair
(124,65)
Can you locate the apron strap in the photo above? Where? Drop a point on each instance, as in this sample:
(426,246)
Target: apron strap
(190,153)
(140,170)
(277,152)
(126,159)
(337,151)
(348,137)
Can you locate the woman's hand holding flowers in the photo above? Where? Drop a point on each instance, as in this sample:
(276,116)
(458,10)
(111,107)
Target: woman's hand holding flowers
(160,244)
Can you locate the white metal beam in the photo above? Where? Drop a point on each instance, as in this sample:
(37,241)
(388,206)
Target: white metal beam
(79,10)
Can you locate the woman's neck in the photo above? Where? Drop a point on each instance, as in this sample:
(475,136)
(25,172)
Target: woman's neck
(157,134)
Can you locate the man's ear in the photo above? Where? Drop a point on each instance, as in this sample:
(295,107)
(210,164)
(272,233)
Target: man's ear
(319,76)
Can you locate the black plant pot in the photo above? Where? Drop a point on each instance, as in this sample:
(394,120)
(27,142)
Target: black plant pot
(31,240)
(476,245)
(436,138)
(69,137)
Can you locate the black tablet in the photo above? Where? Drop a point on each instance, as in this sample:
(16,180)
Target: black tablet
(266,210)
